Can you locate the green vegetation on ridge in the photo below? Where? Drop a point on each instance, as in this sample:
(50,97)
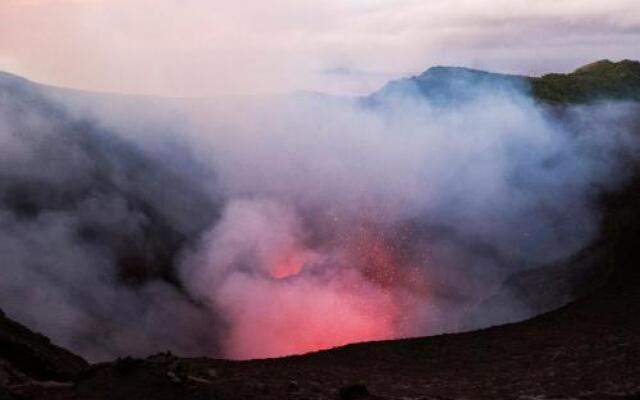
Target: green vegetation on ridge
(601,80)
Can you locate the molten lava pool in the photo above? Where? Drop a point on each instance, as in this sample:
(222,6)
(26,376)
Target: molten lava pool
(307,301)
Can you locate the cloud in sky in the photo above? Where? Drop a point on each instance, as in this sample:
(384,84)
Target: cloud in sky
(200,47)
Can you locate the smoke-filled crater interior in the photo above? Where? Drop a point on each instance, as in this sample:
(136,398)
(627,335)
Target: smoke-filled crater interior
(256,228)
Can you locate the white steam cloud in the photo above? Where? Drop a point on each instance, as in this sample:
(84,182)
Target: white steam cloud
(299,223)
(393,220)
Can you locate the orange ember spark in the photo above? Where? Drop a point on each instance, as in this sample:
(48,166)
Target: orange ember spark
(297,313)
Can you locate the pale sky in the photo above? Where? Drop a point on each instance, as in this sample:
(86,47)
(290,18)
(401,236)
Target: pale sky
(210,47)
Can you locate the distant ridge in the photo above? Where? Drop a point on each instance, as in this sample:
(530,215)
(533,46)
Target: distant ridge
(443,85)
(597,81)
(601,80)
(7,76)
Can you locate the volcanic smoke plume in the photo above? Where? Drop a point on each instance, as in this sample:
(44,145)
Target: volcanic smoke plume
(286,292)
(249,228)
(348,223)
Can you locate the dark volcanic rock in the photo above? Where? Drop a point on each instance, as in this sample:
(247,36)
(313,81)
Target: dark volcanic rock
(6,395)
(34,356)
(354,392)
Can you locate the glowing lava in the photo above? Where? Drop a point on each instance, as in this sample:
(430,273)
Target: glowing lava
(309,303)
(304,286)
(280,317)
(289,267)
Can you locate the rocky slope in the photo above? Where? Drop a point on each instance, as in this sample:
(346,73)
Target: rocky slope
(27,358)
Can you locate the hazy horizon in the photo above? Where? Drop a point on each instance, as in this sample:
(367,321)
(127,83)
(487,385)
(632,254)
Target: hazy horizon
(203,48)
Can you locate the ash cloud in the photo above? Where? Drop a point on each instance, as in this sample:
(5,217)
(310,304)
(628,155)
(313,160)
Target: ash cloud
(427,200)
(90,227)
(293,223)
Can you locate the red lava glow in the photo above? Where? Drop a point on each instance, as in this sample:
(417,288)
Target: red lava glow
(290,266)
(281,319)
(293,312)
